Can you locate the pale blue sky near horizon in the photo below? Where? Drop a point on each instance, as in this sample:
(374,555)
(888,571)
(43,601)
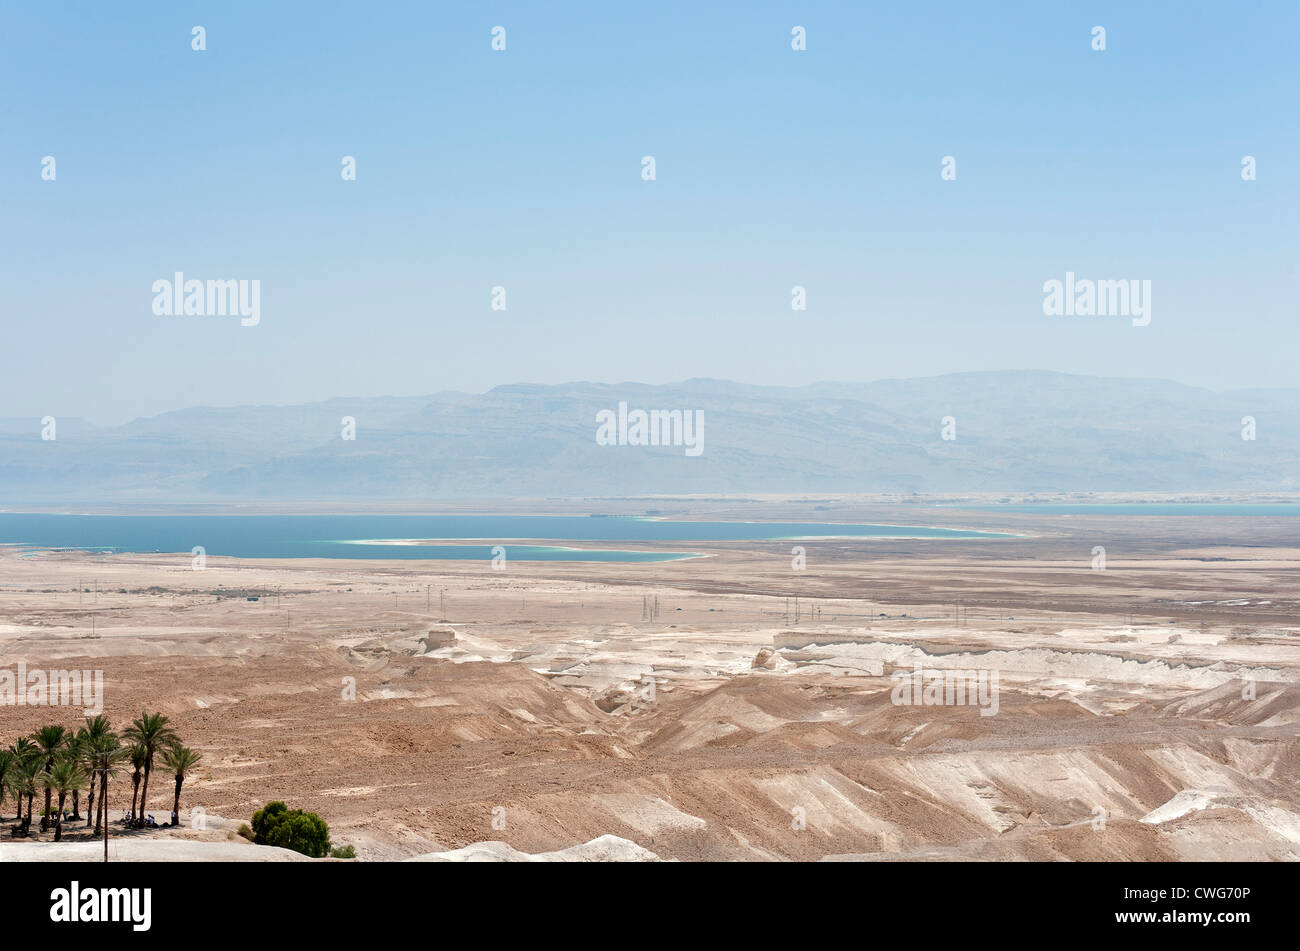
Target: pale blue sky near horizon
(522,168)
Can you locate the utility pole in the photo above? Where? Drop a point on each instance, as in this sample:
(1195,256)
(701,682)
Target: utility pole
(101,776)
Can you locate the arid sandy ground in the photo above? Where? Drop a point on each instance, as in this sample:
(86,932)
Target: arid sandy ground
(541,707)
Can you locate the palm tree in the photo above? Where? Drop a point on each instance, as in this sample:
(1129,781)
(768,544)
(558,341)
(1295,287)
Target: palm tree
(107,752)
(48,739)
(8,770)
(152,732)
(26,756)
(74,746)
(63,778)
(27,780)
(96,727)
(135,753)
(24,749)
(179,760)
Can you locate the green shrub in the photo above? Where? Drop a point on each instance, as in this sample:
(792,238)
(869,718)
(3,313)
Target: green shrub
(343,852)
(303,832)
(265,818)
(246,831)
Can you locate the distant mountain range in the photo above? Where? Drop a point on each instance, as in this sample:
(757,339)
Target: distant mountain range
(1016,431)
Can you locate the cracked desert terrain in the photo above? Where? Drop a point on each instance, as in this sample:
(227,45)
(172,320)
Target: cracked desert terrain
(1149,711)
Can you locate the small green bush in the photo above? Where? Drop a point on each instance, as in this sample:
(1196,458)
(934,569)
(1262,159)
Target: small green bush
(343,852)
(303,832)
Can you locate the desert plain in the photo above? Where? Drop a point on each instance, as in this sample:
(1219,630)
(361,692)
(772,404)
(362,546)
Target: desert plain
(726,707)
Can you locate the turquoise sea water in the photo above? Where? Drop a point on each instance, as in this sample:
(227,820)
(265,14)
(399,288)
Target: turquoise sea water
(439,537)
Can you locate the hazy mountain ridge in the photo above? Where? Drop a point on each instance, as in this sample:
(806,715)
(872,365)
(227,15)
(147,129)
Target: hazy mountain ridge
(1016,431)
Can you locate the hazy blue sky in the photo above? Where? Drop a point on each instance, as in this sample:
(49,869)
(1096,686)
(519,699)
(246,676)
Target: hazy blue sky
(522,168)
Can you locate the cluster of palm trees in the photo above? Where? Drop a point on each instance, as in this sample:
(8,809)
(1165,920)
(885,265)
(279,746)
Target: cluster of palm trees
(63,762)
